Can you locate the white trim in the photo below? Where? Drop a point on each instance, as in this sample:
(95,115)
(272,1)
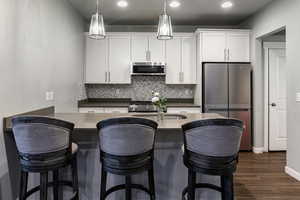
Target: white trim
(266,48)
(293,173)
(258,150)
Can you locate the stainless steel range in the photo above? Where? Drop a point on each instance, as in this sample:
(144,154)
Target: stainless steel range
(141,106)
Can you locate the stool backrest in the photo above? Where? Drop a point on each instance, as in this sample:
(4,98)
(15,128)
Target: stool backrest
(213,137)
(126,136)
(36,135)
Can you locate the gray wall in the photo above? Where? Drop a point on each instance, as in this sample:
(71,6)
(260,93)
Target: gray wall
(278,14)
(141,89)
(42,48)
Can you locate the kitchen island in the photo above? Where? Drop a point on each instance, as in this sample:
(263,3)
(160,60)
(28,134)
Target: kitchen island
(170,173)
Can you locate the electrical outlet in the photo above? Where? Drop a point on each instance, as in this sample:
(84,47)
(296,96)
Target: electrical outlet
(49,96)
(118,91)
(187,92)
(298,97)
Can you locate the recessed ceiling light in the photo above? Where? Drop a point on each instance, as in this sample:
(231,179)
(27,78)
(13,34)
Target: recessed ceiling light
(227,4)
(174,4)
(122,3)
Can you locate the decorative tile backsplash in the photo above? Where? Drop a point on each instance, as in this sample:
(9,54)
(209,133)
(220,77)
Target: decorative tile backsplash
(140,89)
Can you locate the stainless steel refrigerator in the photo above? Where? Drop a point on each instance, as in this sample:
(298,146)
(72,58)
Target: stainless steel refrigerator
(227,90)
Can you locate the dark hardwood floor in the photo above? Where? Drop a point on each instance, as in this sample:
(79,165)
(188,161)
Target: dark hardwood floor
(262,177)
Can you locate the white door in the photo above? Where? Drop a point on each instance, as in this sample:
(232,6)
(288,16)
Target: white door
(173,60)
(213,46)
(188,60)
(277,100)
(139,47)
(96,66)
(238,45)
(119,59)
(156,49)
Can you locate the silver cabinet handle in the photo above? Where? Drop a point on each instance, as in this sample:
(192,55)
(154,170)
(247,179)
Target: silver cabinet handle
(181,77)
(148,55)
(105,77)
(225,54)
(228,55)
(108,76)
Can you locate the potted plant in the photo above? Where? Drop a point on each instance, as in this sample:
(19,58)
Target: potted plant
(160,103)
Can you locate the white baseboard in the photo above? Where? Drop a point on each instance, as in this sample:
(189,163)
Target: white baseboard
(258,150)
(293,173)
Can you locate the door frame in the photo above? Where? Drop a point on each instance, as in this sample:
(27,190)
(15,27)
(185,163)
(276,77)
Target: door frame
(266,48)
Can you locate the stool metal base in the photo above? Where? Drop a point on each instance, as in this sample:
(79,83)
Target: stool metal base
(51,184)
(226,188)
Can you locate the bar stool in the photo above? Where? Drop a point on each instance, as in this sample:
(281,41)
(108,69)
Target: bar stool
(211,147)
(44,145)
(127,148)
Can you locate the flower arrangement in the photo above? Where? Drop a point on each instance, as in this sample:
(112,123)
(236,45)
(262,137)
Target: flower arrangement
(159,102)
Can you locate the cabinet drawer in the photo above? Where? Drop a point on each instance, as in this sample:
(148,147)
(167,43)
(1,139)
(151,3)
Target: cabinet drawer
(116,110)
(183,110)
(91,110)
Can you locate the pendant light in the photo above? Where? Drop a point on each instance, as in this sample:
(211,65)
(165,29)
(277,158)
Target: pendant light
(164,31)
(97,29)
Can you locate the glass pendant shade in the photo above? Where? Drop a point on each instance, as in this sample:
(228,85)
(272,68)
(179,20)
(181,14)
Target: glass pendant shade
(97,28)
(164,31)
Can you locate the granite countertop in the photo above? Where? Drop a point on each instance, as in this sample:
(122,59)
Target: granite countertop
(88,103)
(89,120)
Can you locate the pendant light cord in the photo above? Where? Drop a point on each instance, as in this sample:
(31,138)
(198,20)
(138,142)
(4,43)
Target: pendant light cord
(165,6)
(97,6)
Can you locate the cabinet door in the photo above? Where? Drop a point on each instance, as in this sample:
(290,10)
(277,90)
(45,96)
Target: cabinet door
(213,46)
(189,60)
(173,60)
(96,61)
(119,59)
(156,49)
(139,47)
(238,45)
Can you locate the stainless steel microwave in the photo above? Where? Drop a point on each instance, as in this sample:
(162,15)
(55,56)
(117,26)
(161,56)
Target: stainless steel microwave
(148,68)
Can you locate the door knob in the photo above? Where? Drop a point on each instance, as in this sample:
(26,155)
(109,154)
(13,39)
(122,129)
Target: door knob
(273,104)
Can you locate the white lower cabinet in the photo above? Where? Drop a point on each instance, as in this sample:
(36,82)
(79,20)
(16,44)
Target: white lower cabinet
(182,110)
(104,110)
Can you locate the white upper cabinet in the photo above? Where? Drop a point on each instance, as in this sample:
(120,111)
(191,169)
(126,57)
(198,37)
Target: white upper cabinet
(139,47)
(156,49)
(96,66)
(189,71)
(238,45)
(146,47)
(213,46)
(181,59)
(173,60)
(119,59)
(108,60)
(225,45)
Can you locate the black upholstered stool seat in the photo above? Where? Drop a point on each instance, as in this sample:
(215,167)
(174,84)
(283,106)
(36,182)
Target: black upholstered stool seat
(127,148)
(211,147)
(44,146)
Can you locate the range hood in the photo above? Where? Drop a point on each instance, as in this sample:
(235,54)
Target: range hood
(149,68)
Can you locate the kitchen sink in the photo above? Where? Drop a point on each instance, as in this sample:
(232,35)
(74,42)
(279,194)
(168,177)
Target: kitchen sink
(166,116)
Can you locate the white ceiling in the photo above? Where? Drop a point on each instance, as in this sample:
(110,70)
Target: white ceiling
(191,12)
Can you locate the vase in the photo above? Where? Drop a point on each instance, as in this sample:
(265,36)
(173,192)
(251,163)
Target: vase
(160,113)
